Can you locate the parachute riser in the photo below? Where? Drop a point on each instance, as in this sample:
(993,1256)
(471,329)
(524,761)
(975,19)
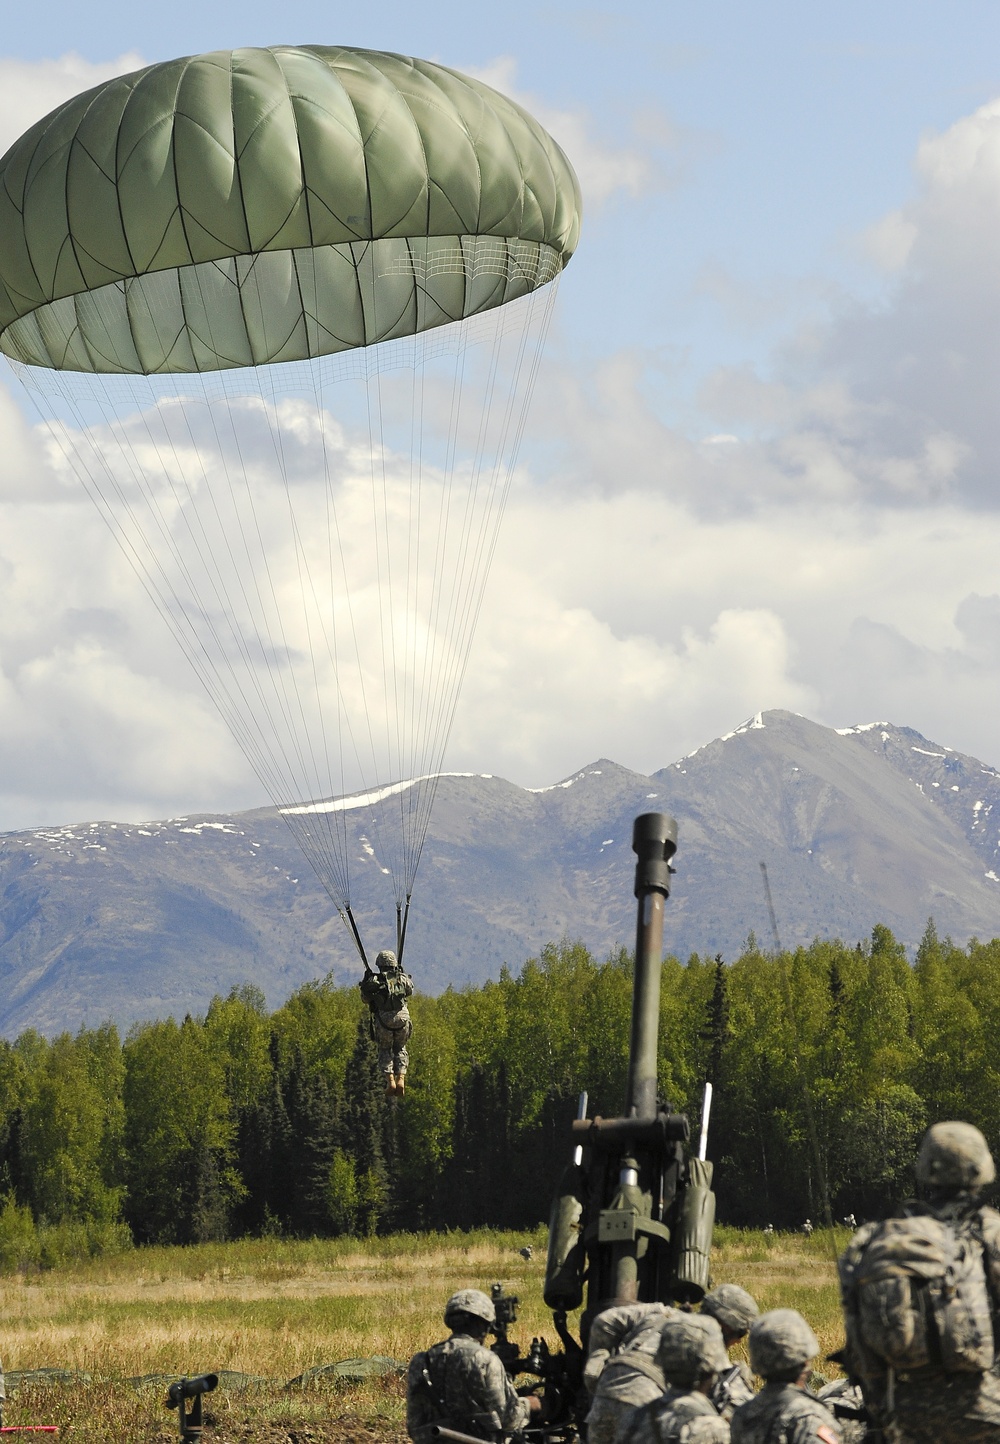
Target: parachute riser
(349,918)
(401,922)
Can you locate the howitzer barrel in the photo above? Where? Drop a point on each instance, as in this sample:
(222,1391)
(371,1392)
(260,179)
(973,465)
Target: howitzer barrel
(654,841)
(438,1431)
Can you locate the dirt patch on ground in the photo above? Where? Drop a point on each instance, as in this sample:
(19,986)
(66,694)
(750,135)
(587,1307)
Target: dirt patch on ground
(346,1430)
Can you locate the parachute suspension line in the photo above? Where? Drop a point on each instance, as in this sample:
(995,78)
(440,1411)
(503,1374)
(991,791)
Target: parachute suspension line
(195,499)
(435,677)
(324,862)
(425,669)
(317,786)
(383,560)
(506,453)
(336,822)
(460,609)
(807,1098)
(148,568)
(413,560)
(411,764)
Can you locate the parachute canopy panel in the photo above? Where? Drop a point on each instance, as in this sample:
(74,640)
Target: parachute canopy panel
(262,205)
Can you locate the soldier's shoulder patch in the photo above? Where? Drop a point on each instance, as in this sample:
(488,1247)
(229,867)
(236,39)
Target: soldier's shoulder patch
(827,1435)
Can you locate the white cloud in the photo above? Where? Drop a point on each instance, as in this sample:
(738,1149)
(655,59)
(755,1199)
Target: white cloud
(29,89)
(649,162)
(827,543)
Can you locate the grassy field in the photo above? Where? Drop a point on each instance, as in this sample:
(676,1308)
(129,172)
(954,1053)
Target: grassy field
(273,1309)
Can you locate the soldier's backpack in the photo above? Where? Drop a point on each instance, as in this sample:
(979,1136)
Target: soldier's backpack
(915,1296)
(396,988)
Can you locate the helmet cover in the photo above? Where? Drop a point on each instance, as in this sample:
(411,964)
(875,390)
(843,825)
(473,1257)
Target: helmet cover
(734,1308)
(471,1301)
(780,1342)
(955,1155)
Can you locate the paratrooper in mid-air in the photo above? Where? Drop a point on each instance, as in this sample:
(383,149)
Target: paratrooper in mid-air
(386,992)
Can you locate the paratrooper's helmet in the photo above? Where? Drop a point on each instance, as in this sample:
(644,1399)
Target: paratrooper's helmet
(734,1308)
(690,1347)
(781,1343)
(470,1301)
(955,1155)
(385,961)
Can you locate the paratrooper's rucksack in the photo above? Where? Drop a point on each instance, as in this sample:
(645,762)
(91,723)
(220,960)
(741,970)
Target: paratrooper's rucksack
(396,988)
(915,1296)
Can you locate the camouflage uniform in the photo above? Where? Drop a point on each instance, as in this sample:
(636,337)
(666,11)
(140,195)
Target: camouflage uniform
(784,1413)
(928,1405)
(735,1310)
(781,1345)
(691,1353)
(621,1370)
(842,1392)
(679,1417)
(391,1024)
(462,1384)
(732,1388)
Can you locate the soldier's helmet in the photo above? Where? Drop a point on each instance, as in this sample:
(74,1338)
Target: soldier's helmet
(781,1342)
(385,960)
(470,1301)
(955,1155)
(734,1308)
(690,1347)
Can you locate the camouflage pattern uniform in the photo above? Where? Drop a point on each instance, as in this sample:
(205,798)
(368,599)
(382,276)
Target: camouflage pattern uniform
(843,1392)
(621,1370)
(462,1384)
(678,1417)
(930,1406)
(691,1353)
(781,1345)
(733,1387)
(391,1023)
(784,1414)
(735,1310)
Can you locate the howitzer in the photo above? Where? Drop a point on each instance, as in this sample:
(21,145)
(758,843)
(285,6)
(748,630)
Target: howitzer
(633,1214)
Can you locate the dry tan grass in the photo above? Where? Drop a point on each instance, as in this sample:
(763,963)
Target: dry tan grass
(274,1309)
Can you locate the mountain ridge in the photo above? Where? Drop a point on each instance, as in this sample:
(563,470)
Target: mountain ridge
(862,825)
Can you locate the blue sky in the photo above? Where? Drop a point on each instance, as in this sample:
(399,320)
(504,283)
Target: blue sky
(780,131)
(768,426)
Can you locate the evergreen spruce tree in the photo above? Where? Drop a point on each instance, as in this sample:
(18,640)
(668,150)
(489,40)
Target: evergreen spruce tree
(716,1030)
(362,1129)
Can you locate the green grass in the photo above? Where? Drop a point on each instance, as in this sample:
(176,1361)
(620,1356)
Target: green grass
(275,1308)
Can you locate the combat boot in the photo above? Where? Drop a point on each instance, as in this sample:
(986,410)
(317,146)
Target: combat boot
(400,1085)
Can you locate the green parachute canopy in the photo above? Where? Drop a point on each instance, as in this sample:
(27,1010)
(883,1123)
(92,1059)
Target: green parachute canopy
(260,205)
(316,534)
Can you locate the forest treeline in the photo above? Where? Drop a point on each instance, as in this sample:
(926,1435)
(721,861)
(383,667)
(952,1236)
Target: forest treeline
(246,1122)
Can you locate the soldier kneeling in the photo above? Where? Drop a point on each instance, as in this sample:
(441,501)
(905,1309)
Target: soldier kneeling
(691,1356)
(782,1346)
(734,1310)
(460,1383)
